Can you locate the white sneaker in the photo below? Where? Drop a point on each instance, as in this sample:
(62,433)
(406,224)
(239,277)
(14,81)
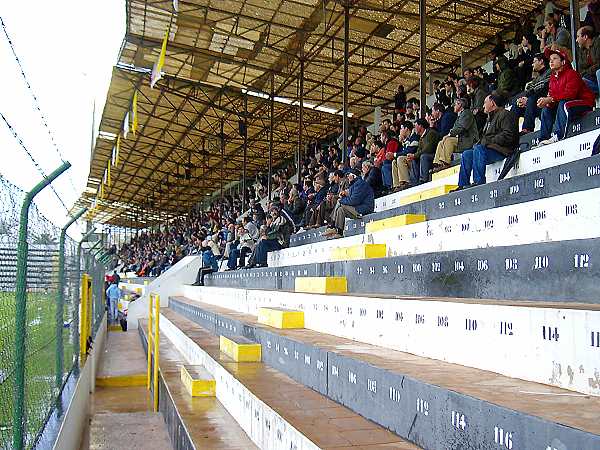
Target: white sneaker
(553,139)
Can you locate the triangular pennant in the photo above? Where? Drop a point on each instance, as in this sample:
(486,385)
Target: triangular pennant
(158,65)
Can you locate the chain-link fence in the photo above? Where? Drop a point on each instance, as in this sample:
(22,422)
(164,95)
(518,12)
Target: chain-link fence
(50,335)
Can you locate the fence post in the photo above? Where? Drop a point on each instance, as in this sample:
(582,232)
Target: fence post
(76,319)
(21,309)
(60,300)
(156,349)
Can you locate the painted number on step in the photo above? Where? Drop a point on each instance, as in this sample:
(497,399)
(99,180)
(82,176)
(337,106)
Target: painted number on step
(502,437)
(422,406)
(458,420)
(582,261)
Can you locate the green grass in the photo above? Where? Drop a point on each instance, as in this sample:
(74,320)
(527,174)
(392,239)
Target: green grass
(40,348)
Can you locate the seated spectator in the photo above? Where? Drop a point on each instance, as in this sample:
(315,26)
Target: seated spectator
(526,104)
(507,84)
(421,161)
(354,202)
(387,155)
(462,136)
(314,200)
(500,139)
(275,238)
(588,57)
(372,175)
(443,118)
(409,144)
(296,206)
(337,182)
(209,264)
(568,97)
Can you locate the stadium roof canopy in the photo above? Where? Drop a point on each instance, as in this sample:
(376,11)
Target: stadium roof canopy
(222,54)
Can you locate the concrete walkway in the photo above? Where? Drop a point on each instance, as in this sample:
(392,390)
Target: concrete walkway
(121,416)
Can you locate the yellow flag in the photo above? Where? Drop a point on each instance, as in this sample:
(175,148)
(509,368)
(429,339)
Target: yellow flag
(158,65)
(134,125)
(102,190)
(118,148)
(108,173)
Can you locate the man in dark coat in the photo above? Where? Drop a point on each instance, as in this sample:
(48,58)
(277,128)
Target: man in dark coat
(499,140)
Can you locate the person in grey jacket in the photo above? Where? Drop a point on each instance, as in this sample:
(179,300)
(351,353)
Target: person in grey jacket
(462,135)
(526,104)
(588,57)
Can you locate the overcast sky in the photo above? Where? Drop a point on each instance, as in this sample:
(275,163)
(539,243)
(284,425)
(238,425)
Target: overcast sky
(67,49)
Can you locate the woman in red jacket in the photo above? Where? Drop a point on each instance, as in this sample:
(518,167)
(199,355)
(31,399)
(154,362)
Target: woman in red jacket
(568,96)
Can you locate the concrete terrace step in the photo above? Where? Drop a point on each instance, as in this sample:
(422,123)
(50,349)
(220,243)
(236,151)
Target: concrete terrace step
(535,341)
(548,271)
(566,178)
(559,218)
(277,412)
(199,422)
(432,403)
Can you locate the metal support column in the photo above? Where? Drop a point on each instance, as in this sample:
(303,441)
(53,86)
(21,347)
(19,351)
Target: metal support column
(345,91)
(60,300)
(574,11)
(271,114)
(244,197)
(222,155)
(19,419)
(422,57)
(300,116)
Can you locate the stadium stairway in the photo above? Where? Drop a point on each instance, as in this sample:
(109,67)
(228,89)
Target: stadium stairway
(256,406)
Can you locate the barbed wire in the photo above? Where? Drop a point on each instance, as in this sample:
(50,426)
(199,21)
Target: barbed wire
(35,100)
(35,163)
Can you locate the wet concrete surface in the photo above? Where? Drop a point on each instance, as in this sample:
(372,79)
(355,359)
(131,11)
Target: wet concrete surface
(123,355)
(544,401)
(323,421)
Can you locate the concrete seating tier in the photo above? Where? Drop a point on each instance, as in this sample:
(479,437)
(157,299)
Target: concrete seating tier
(564,271)
(559,218)
(273,410)
(533,341)
(431,403)
(539,159)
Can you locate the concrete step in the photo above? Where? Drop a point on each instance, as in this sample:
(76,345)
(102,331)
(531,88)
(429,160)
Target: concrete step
(547,271)
(276,412)
(434,404)
(560,218)
(548,343)
(192,422)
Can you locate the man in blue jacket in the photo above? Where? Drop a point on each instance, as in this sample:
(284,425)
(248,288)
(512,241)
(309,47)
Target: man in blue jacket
(354,202)
(209,264)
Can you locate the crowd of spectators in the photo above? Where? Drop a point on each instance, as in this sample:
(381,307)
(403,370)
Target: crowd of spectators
(475,114)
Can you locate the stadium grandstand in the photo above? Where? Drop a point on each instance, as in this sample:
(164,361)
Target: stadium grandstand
(352,224)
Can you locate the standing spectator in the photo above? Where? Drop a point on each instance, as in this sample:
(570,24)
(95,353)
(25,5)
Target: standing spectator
(462,136)
(400,100)
(113,293)
(508,83)
(477,95)
(500,139)
(568,96)
(588,57)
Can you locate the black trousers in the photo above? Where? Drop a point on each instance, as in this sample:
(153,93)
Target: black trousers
(203,271)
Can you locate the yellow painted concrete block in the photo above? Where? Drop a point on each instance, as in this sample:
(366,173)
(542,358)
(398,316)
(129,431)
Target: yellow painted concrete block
(122,380)
(361,251)
(240,349)
(321,285)
(197,381)
(281,317)
(427,194)
(139,290)
(394,222)
(446,172)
